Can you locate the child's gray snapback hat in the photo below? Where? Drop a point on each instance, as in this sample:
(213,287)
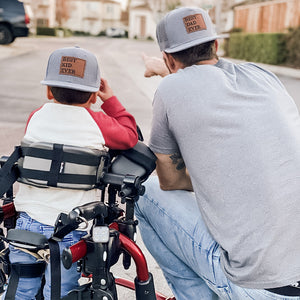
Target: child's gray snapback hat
(183,28)
(73,68)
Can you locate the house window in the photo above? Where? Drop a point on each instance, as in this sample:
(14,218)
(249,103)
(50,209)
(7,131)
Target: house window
(109,9)
(92,6)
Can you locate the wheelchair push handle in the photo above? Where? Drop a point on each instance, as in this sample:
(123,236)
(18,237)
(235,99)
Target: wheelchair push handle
(73,253)
(89,211)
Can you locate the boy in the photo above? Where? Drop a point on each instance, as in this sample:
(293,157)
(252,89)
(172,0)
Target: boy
(73,83)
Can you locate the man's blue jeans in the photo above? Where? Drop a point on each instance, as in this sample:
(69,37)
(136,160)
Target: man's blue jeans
(174,233)
(28,287)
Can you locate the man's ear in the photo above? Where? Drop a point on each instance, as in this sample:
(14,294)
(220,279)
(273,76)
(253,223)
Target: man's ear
(172,64)
(216,45)
(169,61)
(49,93)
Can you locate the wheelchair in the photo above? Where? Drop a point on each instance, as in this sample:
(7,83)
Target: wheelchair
(111,236)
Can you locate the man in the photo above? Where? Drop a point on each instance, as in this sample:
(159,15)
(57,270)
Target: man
(231,134)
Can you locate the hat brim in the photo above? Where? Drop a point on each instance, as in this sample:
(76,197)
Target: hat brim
(191,44)
(69,85)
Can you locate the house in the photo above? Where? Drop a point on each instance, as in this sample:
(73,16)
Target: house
(93,16)
(43,13)
(145,14)
(142,21)
(90,16)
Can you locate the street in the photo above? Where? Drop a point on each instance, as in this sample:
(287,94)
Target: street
(23,65)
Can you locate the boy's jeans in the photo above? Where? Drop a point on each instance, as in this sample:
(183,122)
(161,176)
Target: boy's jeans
(28,287)
(174,233)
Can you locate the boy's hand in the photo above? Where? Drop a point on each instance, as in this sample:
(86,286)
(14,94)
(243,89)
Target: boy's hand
(154,66)
(105,92)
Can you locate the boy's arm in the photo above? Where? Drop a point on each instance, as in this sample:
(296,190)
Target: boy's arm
(118,127)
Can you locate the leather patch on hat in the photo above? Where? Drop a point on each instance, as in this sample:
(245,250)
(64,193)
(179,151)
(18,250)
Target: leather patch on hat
(194,23)
(72,66)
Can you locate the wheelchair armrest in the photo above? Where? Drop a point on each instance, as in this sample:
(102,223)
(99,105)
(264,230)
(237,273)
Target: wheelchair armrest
(26,239)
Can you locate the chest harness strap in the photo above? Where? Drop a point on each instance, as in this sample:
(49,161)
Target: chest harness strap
(57,165)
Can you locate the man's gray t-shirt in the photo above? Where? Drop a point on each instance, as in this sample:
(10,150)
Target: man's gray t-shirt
(238,132)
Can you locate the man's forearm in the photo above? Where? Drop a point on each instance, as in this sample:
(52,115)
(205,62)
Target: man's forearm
(172,172)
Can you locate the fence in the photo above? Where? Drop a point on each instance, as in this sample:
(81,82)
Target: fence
(267,17)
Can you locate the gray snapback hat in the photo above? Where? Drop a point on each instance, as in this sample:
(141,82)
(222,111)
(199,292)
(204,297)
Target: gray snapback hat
(73,68)
(183,28)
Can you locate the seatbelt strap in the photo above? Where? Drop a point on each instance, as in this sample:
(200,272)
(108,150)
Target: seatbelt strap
(22,270)
(55,269)
(9,173)
(55,164)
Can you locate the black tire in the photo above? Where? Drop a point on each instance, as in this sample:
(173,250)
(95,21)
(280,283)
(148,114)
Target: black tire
(6,36)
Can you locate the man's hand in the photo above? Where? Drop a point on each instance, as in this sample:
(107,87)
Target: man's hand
(105,92)
(154,66)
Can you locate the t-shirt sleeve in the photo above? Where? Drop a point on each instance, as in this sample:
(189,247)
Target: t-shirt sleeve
(161,138)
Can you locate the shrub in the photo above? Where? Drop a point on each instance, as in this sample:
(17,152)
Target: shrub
(46,31)
(67,32)
(269,48)
(101,33)
(81,33)
(292,47)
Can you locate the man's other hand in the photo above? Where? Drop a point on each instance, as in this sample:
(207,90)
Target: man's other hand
(154,66)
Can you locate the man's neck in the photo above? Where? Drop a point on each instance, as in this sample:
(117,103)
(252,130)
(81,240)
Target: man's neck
(208,62)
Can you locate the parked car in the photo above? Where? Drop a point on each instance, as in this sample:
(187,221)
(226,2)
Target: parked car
(115,32)
(14,22)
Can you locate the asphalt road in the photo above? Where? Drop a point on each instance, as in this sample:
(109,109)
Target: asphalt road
(23,65)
